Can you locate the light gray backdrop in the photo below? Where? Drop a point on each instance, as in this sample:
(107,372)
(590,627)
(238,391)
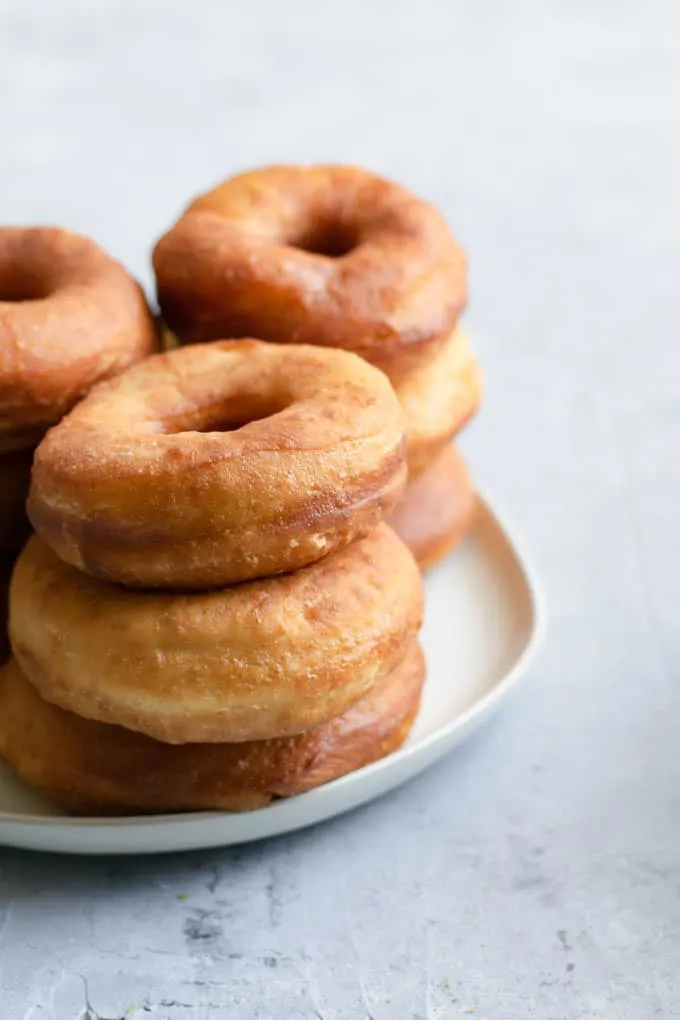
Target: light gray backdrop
(537,872)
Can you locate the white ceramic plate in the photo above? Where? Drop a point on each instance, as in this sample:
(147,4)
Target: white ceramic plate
(484,621)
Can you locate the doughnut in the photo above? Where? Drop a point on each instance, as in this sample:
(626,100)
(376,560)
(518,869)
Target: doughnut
(263,659)
(220,463)
(437,509)
(94,768)
(69,316)
(328,255)
(438,400)
(15,476)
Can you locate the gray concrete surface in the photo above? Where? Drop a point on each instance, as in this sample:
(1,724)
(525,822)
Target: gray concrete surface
(537,872)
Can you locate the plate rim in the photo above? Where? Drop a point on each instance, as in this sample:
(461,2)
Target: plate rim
(443,737)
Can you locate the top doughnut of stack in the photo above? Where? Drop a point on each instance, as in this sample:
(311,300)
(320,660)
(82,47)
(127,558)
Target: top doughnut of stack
(220,463)
(70,316)
(327,255)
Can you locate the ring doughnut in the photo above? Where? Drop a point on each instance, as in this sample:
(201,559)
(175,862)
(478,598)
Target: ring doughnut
(69,316)
(15,477)
(94,768)
(438,400)
(142,483)
(328,255)
(258,660)
(437,510)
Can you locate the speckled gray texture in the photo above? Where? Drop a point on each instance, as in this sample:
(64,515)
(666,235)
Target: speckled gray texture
(536,873)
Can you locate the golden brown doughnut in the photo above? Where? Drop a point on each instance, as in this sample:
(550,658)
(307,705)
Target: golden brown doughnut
(69,316)
(437,510)
(15,476)
(93,768)
(329,255)
(220,463)
(263,659)
(438,400)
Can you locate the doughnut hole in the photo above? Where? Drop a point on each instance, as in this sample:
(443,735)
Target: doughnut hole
(332,238)
(229,416)
(17,286)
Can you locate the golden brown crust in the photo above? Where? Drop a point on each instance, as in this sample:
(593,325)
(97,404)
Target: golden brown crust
(69,316)
(258,660)
(437,510)
(132,487)
(328,255)
(438,399)
(93,768)
(15,477)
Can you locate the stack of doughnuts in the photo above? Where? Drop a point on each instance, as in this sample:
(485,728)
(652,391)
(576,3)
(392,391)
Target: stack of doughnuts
(70,316)
(221,600)
(212,611)
(337,257)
